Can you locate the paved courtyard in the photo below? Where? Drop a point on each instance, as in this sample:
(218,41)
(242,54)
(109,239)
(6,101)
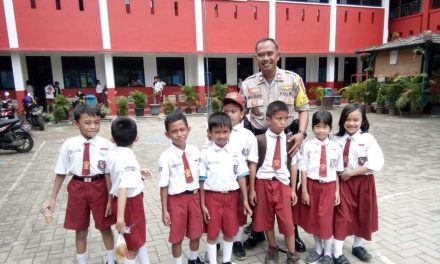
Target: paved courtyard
(408,195)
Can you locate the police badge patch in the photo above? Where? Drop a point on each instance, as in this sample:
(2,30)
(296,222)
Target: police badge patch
(101,165)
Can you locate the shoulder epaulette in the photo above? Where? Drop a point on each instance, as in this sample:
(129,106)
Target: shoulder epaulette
(251,77)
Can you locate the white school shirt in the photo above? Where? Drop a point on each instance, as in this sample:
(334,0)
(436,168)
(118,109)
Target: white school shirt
(125,172)
(266,171)
(99,88)
(221,167)
(50,92)
(158,86)
(364,151)
(70,159)
(172,172)
(311,154)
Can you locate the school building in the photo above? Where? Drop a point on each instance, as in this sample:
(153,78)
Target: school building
(125,43)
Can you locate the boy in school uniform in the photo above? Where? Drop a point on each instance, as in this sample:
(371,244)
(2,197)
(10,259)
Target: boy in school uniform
(273,192)
(85,157)
(222,173)
(245,141)
(127,190)
(179,188)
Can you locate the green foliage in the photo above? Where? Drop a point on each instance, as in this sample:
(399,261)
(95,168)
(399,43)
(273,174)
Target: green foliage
(122,104)
(61,101)
(380,95)
(369,92)
(412,93)
(220,90)
(216,105)
(139,99)
(59,114)
(318,91)
(190,93)
(104,110)
(168,107)
(353,92)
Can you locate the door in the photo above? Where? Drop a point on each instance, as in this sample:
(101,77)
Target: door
(245,68)
(40,74)
(350,68)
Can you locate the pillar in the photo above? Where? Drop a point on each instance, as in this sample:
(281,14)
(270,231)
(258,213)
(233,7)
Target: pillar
(110,81)
(17,71)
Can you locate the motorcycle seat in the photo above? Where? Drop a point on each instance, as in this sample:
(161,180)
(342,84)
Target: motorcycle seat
(9,122)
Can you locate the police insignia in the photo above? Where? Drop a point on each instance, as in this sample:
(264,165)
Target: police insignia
(101,165)
(254,90)
(287,87)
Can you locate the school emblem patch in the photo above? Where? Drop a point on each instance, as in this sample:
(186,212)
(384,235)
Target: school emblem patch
(332,163)
(235,169)
(245,152)
(101,165)
(362,160)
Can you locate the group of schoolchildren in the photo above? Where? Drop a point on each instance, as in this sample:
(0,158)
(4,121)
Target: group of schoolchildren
(213,191)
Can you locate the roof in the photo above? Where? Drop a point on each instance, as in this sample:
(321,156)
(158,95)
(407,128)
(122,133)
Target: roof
(422,38)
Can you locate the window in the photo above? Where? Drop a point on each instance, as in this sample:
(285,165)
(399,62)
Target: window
(58,4)
(33,4)
(297,65)
(171,70)
(336,69)
(6,76)
(245,68)
(81,5)
(216,70)
(322,74)
(79,72)
(129,71)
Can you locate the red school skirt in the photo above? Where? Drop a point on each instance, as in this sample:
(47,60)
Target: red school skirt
(316,219)
(357,213)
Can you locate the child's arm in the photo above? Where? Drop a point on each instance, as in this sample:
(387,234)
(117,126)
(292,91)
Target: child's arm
(163,199)
(205,211)
(59,179)
(108,182)
(293,176)
(252,177)
(122,200)
(347,174)
(337,197)
(242,183)
(305,194)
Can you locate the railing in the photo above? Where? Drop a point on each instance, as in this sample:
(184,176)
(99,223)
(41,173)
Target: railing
(435,4)
(407,9)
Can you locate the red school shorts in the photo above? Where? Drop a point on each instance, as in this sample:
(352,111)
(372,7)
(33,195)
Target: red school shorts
(273,198)
(222,209)
(135,216)
(186,217)
(82,198)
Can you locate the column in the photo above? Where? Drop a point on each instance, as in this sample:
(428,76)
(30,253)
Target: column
(426,6)
(332,35)
(200,80)
(199,24)
(272,19)
(105,28)
(110,81)
(17,71)
(231,70)
(386,6)
(57,69)
(330,71)
(341,69)
(10,23)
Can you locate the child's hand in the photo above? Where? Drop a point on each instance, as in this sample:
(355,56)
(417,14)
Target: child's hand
(166,218)
(294,198)
(252,197)
(306,198)
(337,199)
(246,209)
(345,175)
(206,215)
(108,208)
(48,205)
(120,226)
(146,173)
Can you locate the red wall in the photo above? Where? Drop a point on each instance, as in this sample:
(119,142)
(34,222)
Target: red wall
(298,36)
(159,32)
(405,24)
(4,42)
(434,20)
(227,34)
(46,28)
(354,34)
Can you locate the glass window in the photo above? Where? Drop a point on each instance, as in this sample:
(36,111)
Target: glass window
(297,65)
(79,72)
(361,2)
(6,76)
(322,74)
(216,70)
(336,69)
(129,71)
(171,70)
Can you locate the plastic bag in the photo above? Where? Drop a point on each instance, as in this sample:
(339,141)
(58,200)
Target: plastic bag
(121,248)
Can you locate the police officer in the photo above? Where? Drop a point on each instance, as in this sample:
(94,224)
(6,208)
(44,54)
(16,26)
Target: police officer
(272,84)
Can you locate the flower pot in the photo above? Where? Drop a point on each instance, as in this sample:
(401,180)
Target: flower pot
(337,99)
(380,110)
(188,110)
(155,109)
(139,111)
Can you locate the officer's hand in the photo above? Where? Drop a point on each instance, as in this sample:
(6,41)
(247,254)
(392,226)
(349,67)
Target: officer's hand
(297,140)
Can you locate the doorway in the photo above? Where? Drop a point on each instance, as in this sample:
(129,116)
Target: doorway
(245,68)
(39,74)
(350,68)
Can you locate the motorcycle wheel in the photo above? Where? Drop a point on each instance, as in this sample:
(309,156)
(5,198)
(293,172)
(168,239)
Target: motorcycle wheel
(27,143)
(40,123)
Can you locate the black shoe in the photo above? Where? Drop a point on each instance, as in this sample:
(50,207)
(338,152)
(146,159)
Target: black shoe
(299,245)
(341,260)
(254,239)
(196,261)
(238,250)
(115,262)
(361,253)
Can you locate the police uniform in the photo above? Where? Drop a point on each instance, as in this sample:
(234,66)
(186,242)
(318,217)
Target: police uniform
(183,201)
(273,190)
(317,218)
(287,86)
(125,173)
(85,192)
(357,213)
(220,168)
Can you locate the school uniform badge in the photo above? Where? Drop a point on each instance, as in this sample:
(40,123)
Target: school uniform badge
(245,152)
(362,160)
(332,163)
(101,165)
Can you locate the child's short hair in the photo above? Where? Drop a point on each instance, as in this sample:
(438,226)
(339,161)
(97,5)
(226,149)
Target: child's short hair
(275,107)
(124,131)
(348,109)
(219,119)
(85,109)
(322,116)
(173,117)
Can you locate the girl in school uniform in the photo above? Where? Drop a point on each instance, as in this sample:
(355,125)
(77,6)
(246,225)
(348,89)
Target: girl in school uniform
(319,190)
(357,213)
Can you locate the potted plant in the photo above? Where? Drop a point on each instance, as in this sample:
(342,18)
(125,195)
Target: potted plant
(380,100)
(353,92)
(104,111)
(61,106)
(318,91)
(190,96)
(413,95)
(220,90)
(200,107)
(122,105)
(216,105)
(168,107)
(336,98)
(369,93)
(139,100)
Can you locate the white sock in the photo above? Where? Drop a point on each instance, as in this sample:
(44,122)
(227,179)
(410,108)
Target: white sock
(143,255)
(193,255)
(239,235)
(358,241)
(81,258)
(111,256)
(227,251)
(129,261)
(178,260)
(318,243)
(328,247)
(212,253)
(339,244)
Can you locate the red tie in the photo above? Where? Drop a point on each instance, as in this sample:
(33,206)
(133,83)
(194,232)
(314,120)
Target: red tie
(276,162)
(86,160)
(346,151)
(323,162)
(188,175)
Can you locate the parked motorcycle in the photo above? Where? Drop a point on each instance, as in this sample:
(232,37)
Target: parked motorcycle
(7,109)
(14,135)
(34,113)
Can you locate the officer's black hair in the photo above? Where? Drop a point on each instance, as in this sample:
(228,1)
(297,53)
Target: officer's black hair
(85,109)
(174,117)
(219,119)
(322,117)
(275,107)
(266,39)
(124,131)
(348,109)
